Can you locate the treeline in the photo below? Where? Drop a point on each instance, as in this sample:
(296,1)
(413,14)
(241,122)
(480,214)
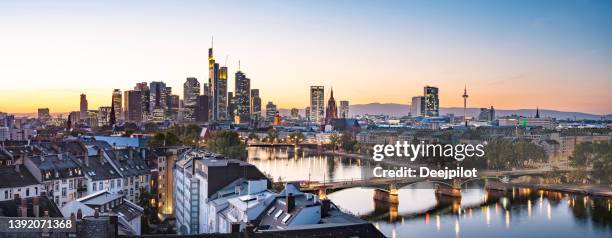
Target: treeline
(508,154)
(597,155)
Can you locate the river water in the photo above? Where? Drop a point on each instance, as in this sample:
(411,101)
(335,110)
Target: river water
(420,213)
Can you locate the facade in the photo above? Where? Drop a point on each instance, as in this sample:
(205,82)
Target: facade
(191,91)
(242,98)
(307,114)
(344,109)
(231,106)
(317,106)
(17,181)
(132,100)
(103,116)
(222,89)
(145,100)
(295,113)
(417,108)
(270,112)
(158,96)
(486,114)
(432,101)
(59,174)
(117,98)
(83,106)
(202,108)
(331,112)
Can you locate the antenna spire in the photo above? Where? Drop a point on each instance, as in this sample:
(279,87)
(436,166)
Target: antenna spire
(238,65)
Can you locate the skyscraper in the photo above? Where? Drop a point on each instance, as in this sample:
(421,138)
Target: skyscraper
(218,89)
(242,98)
(417,108)
(432,102)
(158,94)
(230,105)
(132,101)
(255,101)
(83,107)
(331,112)
(104,115)
(191,91)
(317,106)
(117,104)
(222,88)
(307,113)
(202,108)
(344,109)
(270,112)
(145,100)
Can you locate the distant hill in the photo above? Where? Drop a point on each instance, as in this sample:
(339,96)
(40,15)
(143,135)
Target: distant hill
(395,109)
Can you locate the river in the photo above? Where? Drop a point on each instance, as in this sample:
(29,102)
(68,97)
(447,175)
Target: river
(419,213)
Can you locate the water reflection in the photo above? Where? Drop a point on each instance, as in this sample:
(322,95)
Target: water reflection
(420,213)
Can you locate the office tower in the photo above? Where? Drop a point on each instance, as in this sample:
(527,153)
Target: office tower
(202,108)
(83,106)
(417,108)
(117,104)
(230,105)
(270,112)
(331,112)
(132,100)
(222,88)
(317,107)
(158,94)
(191,91)
(174,103)
(217,81)
(432,101)
(486,114)
(145,99)
(103,116)
(344,109)
(465,97)
(307,113)
(242,98)
(295,113)
(255,101)
(43,114)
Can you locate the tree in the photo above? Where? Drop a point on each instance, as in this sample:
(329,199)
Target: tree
(252,136)
(597,155)
(334,141)
(227,143)
(150,127)
(161,139)
(347,141)
(506,154)
(272,135)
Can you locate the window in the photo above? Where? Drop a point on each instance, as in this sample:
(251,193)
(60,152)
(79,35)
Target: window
(94,186)
(64,192)
(118,182)
(101,186)
(278,214)
(286,218)
(131,191)
(6,195)
(112,186)
(71,184)
(27,192)
(36,191)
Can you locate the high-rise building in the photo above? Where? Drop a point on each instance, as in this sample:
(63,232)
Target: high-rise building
(486,114)
(331,112)
(103,116)
(295,113)
(191,91)
(270,112)
(317,104)
(307,114)
(158,96)
(83,106)
(202,108)
(43,114)
(174,103)
(217,82)
(417,108)
(432,101)
(222,88)
(132,100)
(242,98)
(145,100)
(255,101)
(344,109)
(117,104)
(230,105)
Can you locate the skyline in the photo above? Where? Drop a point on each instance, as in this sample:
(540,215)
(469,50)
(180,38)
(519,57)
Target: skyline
(534,56)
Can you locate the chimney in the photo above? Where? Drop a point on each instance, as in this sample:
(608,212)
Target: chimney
(96,213)
(87,160)
(290,203)
(131,153)
(325,206)
(79,214)
(36,206)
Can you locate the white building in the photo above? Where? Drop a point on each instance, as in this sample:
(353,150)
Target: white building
(17,180)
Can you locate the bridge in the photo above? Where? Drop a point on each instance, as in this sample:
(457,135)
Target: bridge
(282,144)
(386,189)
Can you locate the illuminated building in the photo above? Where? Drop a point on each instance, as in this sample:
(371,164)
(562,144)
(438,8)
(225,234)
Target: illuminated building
(270,112)
(191,91)
(83,106)
(317,106)
(132,101)
(242,99)
(432,101)
(417,108)
(117,104)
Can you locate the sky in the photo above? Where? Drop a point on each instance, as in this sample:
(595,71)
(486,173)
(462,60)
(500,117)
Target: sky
(510,54)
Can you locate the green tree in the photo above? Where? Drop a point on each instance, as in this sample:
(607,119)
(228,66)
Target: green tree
(227,143)
(597,155)
(150,127)
(347,141)
(296,137)
(272,135)
(161,139)
(334,141)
